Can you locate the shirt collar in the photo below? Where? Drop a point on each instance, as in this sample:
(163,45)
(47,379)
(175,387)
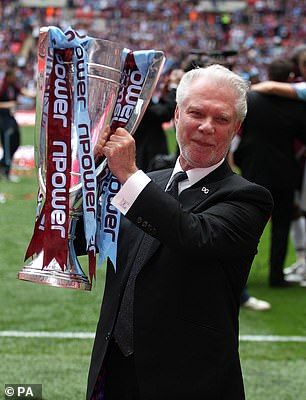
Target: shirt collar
(194,175)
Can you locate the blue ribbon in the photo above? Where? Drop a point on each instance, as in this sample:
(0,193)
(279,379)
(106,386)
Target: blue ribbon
(108,216)
(108,219)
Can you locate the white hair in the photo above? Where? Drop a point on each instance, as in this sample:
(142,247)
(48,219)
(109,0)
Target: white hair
(221,75)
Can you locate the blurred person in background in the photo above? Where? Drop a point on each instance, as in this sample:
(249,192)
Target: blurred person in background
(295,90)
(266,155)
(290,89)
(9,129)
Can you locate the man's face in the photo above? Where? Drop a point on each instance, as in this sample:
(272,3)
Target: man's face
(205,124)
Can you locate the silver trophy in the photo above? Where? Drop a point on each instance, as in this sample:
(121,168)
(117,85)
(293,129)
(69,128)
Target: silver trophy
(107,80)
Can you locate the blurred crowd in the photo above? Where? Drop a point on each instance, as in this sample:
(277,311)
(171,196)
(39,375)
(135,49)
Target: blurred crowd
(257,30)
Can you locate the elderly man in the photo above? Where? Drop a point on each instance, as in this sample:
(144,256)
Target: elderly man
(168,328)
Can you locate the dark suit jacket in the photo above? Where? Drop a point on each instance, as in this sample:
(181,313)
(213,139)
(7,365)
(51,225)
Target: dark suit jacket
(266,153)
(187,294)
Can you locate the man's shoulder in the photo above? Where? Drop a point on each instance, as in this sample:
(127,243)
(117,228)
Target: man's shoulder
(240,181)
(160,173)
(242,184)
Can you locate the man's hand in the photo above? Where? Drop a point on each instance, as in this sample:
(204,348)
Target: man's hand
(119,149)
(98,148)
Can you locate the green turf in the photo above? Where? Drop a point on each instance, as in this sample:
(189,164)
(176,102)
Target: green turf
(271,370)
(275,380)
(27,135)
(59,365)
(171,140)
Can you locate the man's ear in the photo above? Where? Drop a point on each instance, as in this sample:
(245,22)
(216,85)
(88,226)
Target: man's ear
(237,128)
(176,114)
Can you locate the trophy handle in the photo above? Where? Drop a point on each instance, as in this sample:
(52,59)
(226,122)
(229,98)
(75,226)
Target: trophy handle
(149,85)
(148,88)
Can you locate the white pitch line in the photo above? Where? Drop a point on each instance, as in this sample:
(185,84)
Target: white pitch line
(271,338)
(44,334)
(88,335)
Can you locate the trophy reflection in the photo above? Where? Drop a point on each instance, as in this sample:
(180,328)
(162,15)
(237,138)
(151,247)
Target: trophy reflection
(81,89)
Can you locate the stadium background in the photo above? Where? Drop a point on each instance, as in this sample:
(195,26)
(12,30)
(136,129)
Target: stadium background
(46,333)
(259,30)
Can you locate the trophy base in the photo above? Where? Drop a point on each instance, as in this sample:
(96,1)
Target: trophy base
(54,276)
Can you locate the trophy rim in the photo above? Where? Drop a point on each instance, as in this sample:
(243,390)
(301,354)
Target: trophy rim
(46,28)
(55,278)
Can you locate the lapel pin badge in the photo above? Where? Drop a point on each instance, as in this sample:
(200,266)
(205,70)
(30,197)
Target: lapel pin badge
(205,190)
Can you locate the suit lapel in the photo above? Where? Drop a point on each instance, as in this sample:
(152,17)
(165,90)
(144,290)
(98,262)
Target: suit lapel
(203,189)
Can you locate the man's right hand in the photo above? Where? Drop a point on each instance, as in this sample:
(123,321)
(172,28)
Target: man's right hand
(120,150)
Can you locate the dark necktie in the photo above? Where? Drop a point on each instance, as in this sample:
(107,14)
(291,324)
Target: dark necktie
(123,332)
(173,187)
